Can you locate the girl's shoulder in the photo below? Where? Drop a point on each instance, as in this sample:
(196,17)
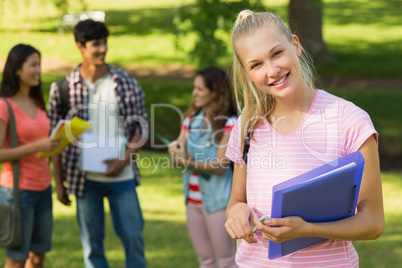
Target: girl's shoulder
(326,100)
(332,106)
(3,110)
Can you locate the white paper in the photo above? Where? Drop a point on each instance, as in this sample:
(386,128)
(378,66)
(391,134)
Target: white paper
(95,149)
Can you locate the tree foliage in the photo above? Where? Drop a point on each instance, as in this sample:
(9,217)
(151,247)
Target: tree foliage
(62,6)
(211,21)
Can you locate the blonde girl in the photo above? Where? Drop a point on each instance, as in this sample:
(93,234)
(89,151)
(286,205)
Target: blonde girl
(294,128)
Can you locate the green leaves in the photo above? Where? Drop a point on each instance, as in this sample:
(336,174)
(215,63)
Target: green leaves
(211,22)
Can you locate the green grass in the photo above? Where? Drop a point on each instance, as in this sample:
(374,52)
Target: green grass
(365,37)
(387,250)
(166,239)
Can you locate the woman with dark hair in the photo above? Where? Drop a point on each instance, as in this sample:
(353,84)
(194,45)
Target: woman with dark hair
(21,87)
(207,177)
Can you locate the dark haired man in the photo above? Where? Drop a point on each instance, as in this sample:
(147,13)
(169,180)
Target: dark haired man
(105,95)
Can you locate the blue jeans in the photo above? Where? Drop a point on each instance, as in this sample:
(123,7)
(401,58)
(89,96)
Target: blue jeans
(37,221)
(126,217)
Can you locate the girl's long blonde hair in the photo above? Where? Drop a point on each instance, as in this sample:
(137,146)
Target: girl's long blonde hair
(258,104)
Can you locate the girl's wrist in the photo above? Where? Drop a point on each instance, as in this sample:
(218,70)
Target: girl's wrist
(32,147)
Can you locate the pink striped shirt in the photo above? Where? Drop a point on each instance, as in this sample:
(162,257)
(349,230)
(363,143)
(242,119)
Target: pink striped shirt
(332,128)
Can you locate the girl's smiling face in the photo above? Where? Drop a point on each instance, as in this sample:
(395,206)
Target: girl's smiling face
(29,73)
(203,96)
(270,61)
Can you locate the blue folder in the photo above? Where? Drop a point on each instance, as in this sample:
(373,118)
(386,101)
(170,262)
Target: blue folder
(327,193)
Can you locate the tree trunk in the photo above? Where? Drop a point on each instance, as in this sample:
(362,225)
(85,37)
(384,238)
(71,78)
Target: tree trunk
(305,20)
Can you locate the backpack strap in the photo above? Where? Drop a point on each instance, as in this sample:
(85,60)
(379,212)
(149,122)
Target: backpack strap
(62,85)
(246,146)
(14,143)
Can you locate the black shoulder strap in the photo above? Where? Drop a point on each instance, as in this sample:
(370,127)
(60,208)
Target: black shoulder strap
(62,85)
(14,143)
(246,147)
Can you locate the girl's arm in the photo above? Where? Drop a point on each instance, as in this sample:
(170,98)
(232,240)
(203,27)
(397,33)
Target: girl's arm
(12,154)
(366,224)
(216,166)
(177,149)
(238,213)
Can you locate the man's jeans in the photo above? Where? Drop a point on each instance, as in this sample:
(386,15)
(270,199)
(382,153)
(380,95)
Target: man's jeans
(126,216)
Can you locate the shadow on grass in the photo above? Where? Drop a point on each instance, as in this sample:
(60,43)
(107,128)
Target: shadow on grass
(358,57)
(166,244)
(385,13)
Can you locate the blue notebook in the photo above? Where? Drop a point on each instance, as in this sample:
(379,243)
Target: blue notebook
(327,193)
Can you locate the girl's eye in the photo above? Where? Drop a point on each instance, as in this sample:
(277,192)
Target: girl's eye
(278,52)
(254,65)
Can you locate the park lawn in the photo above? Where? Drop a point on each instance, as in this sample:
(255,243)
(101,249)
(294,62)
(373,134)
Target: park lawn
(166,240)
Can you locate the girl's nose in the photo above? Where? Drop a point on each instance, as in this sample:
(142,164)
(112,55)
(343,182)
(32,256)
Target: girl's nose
(273,70)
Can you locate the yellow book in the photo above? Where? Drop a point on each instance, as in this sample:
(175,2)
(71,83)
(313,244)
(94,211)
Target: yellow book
(70,130)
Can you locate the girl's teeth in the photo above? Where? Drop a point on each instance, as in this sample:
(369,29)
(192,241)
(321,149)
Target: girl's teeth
(280,81)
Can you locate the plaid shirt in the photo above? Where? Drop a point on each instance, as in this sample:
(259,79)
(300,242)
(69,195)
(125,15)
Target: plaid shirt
(131,101)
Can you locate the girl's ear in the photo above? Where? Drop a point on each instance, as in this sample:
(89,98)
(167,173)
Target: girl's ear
(297,45)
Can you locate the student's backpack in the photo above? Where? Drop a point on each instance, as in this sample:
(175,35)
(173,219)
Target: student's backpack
(62,85)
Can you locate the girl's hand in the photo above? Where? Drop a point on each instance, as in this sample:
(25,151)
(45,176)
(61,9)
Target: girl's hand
(62,195)
(283,229)
(238,223)
(178,154)
(47,144)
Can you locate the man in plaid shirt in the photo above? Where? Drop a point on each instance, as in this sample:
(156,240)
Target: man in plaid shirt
(106,96)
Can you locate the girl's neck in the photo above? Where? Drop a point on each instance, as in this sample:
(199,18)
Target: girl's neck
(299,103)
(23,93)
